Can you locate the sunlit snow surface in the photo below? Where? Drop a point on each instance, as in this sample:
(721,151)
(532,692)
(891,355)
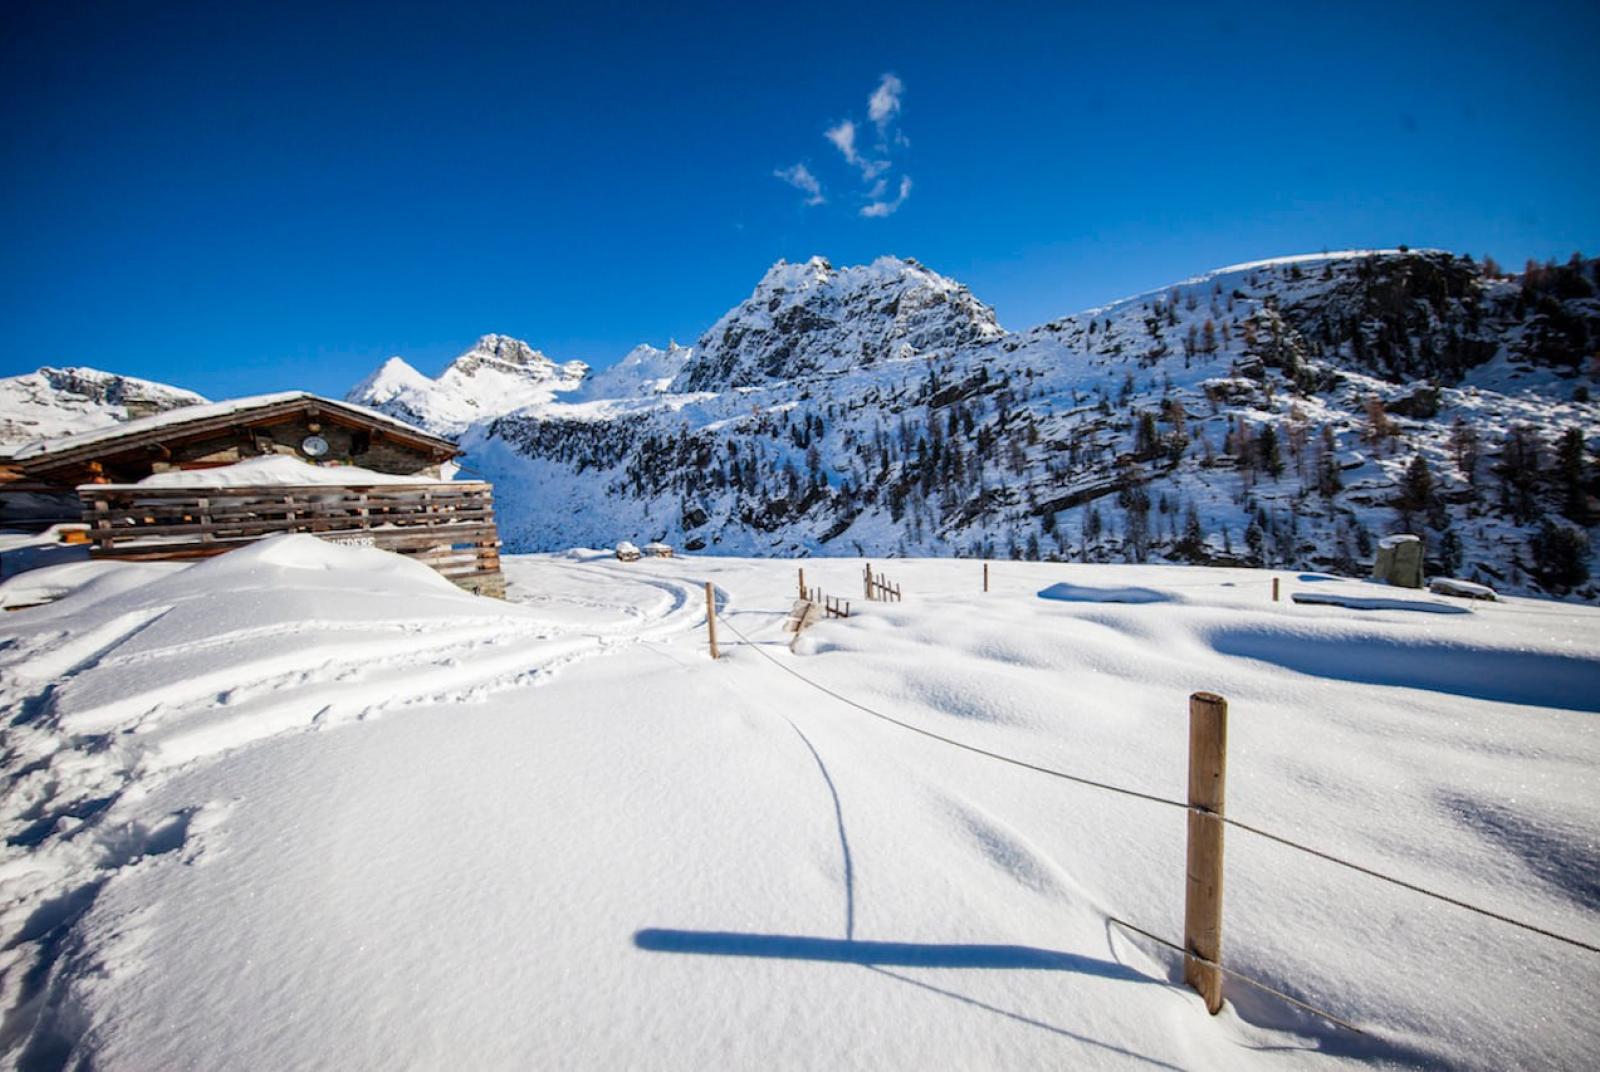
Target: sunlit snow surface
(310,806)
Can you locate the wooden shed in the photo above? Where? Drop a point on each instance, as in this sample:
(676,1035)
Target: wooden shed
(94,477)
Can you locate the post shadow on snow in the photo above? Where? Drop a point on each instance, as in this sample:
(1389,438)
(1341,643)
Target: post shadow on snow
(874,954)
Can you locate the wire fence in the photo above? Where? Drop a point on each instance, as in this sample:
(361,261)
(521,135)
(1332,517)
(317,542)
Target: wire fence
(1169,802)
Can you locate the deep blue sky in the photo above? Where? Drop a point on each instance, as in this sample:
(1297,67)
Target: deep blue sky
(241,198)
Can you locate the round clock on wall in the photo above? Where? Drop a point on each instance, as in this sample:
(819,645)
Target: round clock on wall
(313,446)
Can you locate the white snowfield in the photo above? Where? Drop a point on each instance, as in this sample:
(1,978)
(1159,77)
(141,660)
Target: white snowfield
(307,806)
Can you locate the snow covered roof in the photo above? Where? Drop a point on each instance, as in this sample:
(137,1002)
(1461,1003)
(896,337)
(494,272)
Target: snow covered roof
(194,415)
(273,470)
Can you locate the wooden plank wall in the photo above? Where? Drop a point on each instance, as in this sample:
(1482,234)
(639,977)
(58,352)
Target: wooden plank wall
(447,526)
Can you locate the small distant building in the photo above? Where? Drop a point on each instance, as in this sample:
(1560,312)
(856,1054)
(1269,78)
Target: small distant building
(627,552)
(95,477)
(658,550)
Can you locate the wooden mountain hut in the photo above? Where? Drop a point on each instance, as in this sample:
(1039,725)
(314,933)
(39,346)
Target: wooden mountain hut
(95,477)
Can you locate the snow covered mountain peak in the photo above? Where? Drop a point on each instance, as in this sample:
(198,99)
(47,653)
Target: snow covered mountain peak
(644,371)
(499,375)
(502,353)
(392,377)
(812,318)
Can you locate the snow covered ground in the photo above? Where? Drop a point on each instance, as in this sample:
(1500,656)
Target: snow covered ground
(310,806)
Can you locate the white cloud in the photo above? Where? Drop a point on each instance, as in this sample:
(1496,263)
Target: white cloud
(884,104)
(799,176)
(843,137)
(875,165)
(879,209)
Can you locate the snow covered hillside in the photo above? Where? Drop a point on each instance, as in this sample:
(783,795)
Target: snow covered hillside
(56,402)
(310,806)
(1284,412)
(498,375)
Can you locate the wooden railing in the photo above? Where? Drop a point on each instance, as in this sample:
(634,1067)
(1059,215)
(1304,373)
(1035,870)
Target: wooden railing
(447,526)
(879,588)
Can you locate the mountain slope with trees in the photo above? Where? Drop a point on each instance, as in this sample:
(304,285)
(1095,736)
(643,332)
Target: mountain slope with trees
(1285,413)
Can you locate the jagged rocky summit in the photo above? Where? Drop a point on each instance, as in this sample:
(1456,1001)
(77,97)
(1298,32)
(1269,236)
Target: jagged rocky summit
(811,318)
(498,375)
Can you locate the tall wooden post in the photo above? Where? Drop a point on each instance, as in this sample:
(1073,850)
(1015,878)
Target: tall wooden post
(802,582)
(1274,589)
(1202,905)
(869,580)
(986,576)
(711,617)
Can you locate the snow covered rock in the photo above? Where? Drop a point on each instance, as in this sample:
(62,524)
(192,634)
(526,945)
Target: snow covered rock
(1399,560)
(1450,586)
(55,402)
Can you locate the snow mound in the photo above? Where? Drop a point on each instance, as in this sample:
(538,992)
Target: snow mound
(1078,593)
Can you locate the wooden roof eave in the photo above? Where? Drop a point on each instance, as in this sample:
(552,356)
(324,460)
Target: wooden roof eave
(180,432)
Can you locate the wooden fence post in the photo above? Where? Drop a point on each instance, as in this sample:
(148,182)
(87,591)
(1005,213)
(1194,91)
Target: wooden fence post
(1274,589)
(802,582)
(869,581)
(711,617)
(986,576)
(1202,906)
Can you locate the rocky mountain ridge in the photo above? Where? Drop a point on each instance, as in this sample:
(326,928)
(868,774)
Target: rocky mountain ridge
(1284,413)
(55,402)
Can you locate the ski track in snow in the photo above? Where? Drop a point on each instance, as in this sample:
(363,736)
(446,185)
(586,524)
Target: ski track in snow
(93,730)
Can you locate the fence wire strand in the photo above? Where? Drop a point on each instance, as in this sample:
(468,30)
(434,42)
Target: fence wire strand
(1166,801)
